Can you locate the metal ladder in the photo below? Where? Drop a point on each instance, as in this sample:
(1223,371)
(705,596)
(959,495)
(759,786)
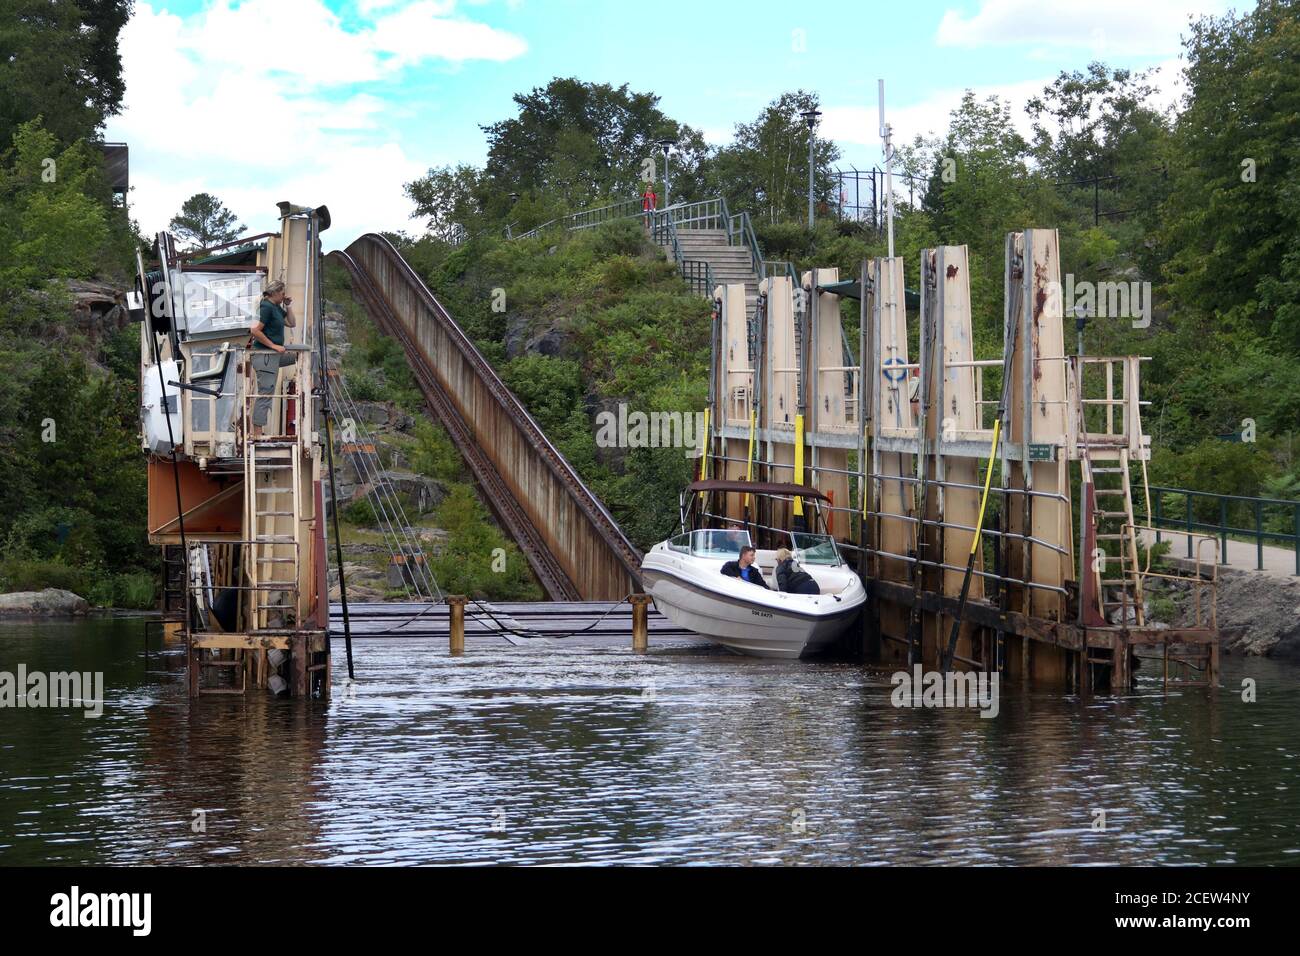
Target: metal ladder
(272,499)
(1113,520)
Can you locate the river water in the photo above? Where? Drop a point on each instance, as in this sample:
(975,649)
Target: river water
(564,754)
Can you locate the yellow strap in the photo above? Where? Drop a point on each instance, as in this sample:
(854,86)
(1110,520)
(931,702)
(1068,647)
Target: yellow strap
(749,461)
(704,458)
(988,480)
(798,462)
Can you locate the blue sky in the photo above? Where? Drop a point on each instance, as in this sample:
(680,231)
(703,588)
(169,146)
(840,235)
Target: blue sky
(341,101)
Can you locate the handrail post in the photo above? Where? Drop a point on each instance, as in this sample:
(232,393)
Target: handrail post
(1188,497)
(1223,530)
(1259,535)
(1295,540)
(1159,515)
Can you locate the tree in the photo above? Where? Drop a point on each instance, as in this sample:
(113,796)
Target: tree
(51,225)
(205,221)
(59,60)
(766,169)
(588,141)
(450,197)
(1233,213)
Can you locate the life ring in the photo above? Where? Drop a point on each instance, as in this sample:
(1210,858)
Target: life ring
(902,372)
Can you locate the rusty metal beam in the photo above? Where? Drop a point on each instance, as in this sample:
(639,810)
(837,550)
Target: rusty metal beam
(503,504)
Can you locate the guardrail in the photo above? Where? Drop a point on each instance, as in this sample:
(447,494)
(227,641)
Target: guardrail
(1192,520)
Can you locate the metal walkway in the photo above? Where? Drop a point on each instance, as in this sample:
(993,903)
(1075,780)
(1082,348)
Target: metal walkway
(569,538)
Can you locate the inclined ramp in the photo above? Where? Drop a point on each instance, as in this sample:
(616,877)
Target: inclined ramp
(571,542)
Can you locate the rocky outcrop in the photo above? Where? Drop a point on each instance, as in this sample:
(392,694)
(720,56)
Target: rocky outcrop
(1258,613)
(48,603)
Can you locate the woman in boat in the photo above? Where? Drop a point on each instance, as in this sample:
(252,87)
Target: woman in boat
(791,578)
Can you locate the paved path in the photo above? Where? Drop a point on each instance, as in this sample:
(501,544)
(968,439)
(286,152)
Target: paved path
(1279,562)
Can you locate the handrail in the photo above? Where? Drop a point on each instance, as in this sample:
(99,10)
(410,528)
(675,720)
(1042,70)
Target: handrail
(774,267)
(1189,525)
(665,229)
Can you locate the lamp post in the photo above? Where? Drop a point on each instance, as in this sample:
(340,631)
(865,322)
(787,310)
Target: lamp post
(810,117)
(666,145)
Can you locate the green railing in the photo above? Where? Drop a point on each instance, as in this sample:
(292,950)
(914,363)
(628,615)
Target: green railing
(779,267)
(1225,516)
(697,272)
(588,218)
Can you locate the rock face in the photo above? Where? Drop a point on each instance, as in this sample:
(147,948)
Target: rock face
(1257,613)
(50,602)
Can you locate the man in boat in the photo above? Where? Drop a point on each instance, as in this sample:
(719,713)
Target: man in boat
(269,354)
(791,578)
(743,568)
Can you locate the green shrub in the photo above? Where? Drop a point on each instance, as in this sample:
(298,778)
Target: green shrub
(360,512)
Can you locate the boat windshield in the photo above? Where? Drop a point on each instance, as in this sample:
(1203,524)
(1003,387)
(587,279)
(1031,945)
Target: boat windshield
(815,549)
(715,543)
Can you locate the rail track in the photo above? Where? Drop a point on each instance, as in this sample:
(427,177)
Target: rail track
(569,538)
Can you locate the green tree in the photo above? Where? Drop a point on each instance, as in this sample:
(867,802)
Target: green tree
(1232,233)
(205,221)
(59,60)
(51,224)
(583,142)
(765,170)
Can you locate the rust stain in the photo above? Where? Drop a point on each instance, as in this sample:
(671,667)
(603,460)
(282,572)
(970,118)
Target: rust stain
(952,271)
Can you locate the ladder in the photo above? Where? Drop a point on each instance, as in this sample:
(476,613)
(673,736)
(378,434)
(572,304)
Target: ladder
(273,510)
(1116,576)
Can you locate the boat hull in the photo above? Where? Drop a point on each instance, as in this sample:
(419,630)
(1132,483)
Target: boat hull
(746,619)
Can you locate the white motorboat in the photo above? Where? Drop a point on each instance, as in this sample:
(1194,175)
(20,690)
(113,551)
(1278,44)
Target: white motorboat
(683,576)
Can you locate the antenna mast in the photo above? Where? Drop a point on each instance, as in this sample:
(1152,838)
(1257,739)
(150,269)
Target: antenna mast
(887,135)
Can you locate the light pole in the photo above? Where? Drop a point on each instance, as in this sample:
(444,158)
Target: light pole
(810,117)
(666,145)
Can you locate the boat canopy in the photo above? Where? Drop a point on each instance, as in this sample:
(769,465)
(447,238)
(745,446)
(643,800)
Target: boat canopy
(757,488)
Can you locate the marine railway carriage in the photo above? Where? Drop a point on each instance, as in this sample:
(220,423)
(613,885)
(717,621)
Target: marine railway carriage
(239,516)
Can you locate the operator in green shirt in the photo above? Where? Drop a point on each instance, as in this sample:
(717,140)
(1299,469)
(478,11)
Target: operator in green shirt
(268,354)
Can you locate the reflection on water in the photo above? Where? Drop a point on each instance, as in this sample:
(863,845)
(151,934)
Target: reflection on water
(563,754)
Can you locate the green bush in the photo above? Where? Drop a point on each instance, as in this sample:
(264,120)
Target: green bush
(35,574)
(360,512)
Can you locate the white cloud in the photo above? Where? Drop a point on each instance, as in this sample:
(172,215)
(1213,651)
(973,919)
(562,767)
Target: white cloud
(255,103)
(859,126)
(856,128)
(1106,28)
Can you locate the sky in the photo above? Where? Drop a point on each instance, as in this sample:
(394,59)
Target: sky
(341,102)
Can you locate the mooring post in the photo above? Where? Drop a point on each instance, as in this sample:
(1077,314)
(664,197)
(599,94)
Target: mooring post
(456,606)
(640,622)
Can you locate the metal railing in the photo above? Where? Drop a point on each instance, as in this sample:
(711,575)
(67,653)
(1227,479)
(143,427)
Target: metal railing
(1190,522)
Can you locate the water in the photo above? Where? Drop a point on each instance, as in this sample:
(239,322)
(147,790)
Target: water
(564,754)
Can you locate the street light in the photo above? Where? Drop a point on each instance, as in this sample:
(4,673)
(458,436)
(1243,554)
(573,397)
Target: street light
(810,117)
(666,145)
